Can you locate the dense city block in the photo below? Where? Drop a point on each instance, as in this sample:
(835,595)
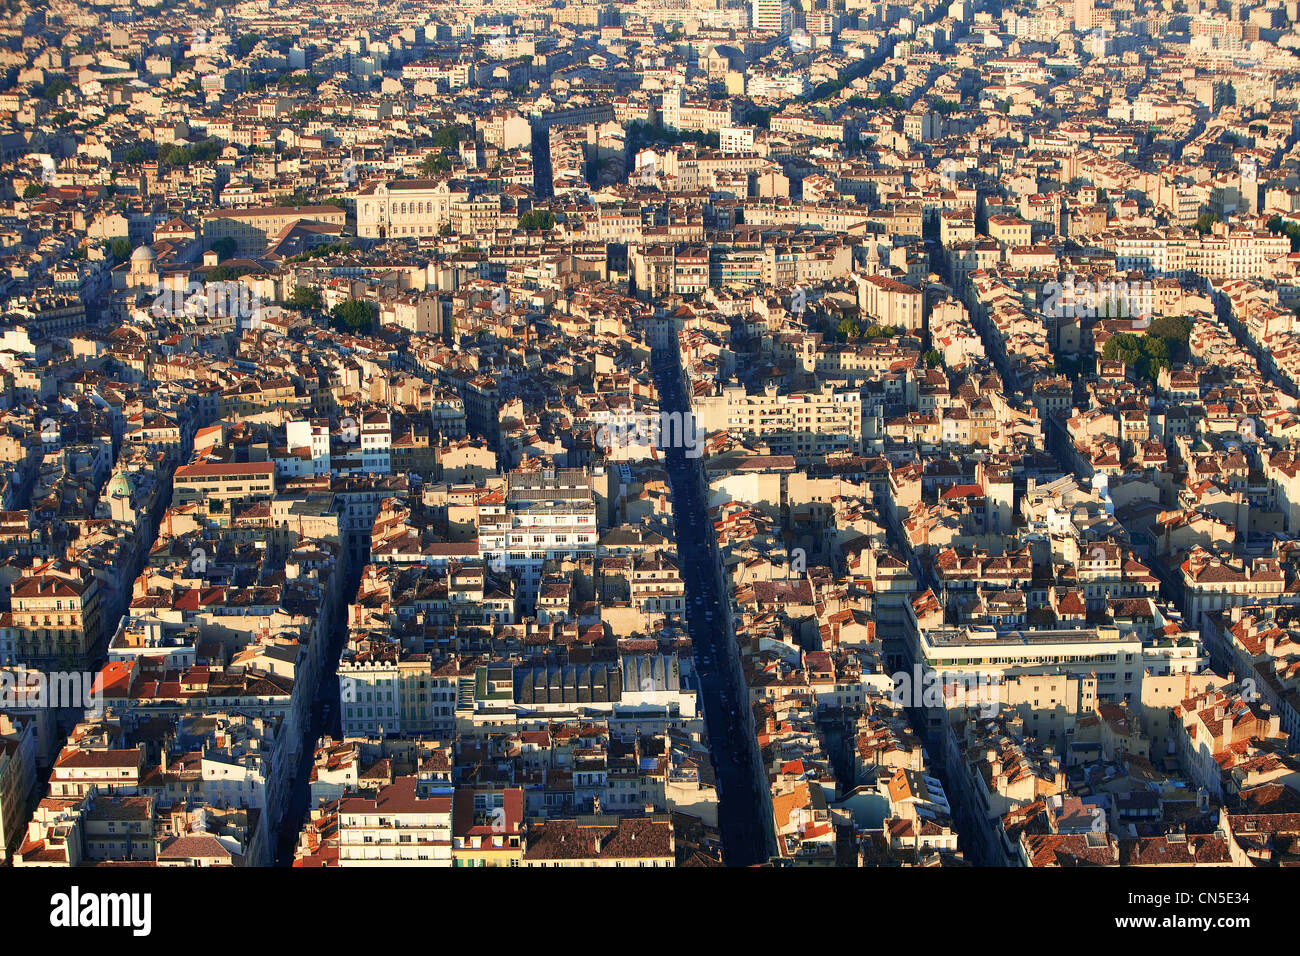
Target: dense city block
(669,433)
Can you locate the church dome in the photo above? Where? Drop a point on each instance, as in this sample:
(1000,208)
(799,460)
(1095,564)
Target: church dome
(119,486)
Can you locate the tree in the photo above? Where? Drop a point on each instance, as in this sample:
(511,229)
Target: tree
(120,248)
(1176,328)
(323,251)
(1279,226)
(303,298)
(224,247)
(247,42)
(1156,351)
(1205,222)
(202,152)
(542,219)
(435,163)
(446,231)
(848,329)
(447,138)
(353,315)
(1124,347)
(1146,355)
(54,89)
(299,79)
(33,190)
(932,358)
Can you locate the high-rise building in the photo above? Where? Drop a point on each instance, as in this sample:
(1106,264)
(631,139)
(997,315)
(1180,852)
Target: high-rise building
(770,16)
(1082,15)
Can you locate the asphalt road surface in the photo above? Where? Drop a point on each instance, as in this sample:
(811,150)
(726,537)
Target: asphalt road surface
(731,739)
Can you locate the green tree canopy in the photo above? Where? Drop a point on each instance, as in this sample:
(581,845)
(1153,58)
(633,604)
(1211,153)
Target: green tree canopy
(353,315)
(542,219)
(322,251)
(447,138)
(303,298)
(435,163)
(202,152)
(1279,226)
(1157,348)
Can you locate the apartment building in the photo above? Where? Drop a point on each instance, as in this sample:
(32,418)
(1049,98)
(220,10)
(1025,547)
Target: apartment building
(1220,254)
(488,827)
(54,620)
(891,303)
(1010,232)
(406,823)
(983,652)
(1212,583)
(548,514)
(386,690)
(803,424)
(770,16)
(710,116)
(1215,723)
(79,770)
(223,482)
(17,779)
(803,123)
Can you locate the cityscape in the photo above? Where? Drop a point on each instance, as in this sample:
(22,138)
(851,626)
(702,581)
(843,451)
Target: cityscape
(670,433)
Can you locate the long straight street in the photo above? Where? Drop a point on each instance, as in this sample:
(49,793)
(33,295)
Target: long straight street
(741,789)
